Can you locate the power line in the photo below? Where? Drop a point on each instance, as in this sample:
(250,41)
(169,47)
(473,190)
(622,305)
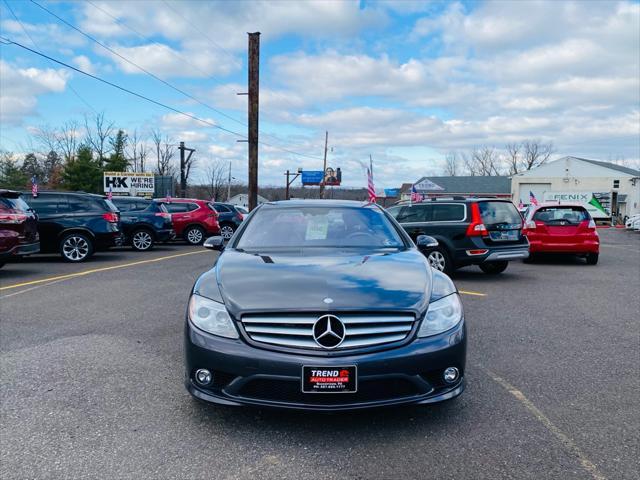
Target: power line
(7,41)
(131,92)
(75,92)
(70,25)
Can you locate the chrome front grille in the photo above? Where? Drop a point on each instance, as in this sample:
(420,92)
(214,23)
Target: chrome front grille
(360,330)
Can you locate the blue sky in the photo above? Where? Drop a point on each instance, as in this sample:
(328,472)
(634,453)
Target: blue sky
(404,81)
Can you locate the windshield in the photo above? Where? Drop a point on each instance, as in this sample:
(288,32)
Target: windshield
(319,227)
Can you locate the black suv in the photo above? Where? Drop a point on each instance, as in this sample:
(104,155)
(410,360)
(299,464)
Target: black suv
(75,224)
(143,222)
(229,218)
(470,231)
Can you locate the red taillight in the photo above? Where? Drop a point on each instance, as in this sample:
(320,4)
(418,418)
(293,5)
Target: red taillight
(476,228)
(240,216)
(110,217)
(477,252)
(12,218)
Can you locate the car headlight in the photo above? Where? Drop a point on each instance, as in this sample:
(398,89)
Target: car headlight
(441,316)
(212,317)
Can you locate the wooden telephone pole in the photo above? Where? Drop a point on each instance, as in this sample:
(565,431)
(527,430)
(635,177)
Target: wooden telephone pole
(324,168)
(254,95)
(184,168)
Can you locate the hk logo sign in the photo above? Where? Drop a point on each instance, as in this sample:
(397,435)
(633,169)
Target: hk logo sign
(129,183)
(116,182)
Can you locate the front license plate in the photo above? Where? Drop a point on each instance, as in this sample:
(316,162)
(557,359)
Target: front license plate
(329,379)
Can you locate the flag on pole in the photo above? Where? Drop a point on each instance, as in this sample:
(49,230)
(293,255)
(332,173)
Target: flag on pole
(370,187)
(532,198)
(34,186)
(520,205)
(110,193)
(415,196)
(168,197)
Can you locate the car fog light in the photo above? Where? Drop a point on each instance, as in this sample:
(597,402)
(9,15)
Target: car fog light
(203,376)
(451,374)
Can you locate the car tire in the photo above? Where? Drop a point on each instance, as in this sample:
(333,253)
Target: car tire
(493,268)
(142,240)
(592,258)
(76,247)
(439,259)
(194,235)
(227,230)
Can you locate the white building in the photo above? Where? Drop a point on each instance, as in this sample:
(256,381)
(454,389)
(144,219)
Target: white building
(571,179)
(242,200)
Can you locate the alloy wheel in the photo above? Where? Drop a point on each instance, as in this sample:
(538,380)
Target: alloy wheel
(75,248)
(437,260)
(195,236)
(142,240)
(226,232)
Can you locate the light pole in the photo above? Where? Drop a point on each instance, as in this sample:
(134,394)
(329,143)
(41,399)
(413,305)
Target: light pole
(289,182)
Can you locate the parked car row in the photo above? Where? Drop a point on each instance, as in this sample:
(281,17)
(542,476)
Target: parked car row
(77,224)
(490,232)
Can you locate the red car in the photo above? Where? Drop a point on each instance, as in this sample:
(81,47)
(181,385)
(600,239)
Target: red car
(194,220)
(18,227)
(562,228)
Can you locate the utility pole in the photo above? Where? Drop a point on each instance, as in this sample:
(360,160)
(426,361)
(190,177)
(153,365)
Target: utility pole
(229,183)
(254,95)
(324,167)
(289,182)
(183,164)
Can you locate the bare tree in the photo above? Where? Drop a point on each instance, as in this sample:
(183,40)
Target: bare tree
(513,157)
(47,138)
(535,153)
(165,150)
(483,161)
(216,175)
(137,151)
(451,164)
(98,132)
(68,139)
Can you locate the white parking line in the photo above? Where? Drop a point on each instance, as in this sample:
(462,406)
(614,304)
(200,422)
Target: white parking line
(569,444)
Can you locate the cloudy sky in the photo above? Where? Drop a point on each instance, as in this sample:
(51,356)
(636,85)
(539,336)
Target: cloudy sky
(404,81)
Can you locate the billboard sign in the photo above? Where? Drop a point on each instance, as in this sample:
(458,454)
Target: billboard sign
(129,183)
(312,177)
(392,192)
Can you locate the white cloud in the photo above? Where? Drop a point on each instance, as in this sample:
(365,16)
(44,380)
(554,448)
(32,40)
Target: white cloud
(84,63)
(21,87)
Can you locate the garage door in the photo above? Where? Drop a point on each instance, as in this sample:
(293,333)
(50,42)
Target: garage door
(537,189)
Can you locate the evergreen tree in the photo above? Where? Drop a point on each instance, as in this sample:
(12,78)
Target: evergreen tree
(12,176)
(83,172)
(31,167)
(51,166)
(117,162)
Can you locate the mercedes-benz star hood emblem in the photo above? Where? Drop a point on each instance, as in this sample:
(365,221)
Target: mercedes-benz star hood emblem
(328,331)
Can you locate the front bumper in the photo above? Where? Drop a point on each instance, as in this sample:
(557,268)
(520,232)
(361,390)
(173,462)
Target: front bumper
(245,375)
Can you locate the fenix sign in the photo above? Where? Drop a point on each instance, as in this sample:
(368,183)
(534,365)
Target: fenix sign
(129,182)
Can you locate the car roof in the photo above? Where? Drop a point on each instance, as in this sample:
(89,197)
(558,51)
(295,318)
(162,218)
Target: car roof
(317,203)
(60,192)
(453,199)
(556,204)
(178,200)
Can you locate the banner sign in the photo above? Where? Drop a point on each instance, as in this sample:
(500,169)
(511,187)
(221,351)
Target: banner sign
(392,192)
(596,203)
(129,183)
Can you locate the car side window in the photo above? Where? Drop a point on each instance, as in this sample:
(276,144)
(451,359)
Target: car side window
(220,208)
(49,204)
(192,206)
(176,207)
(414,213)
(448,212)
(80,204)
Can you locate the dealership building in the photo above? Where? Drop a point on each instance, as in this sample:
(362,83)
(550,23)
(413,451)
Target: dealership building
(467,186)
(609,189)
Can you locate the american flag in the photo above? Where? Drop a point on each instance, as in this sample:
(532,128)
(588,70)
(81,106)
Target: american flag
(532,198)
(168,197)
(415,196)
(34,186)
(110,194)
(370,187)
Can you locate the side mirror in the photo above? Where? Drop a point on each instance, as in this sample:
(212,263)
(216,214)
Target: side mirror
(425,241)
(214,243)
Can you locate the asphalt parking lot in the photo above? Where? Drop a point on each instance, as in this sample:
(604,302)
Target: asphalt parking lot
(91,380)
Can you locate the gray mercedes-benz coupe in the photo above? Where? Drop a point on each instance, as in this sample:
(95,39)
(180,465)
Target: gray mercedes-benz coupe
(323,305)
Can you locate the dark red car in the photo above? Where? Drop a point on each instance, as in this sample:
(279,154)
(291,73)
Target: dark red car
(562,228)
(193,219)
(18,227)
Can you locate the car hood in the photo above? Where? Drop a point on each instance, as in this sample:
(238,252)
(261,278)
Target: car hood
(319,281)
